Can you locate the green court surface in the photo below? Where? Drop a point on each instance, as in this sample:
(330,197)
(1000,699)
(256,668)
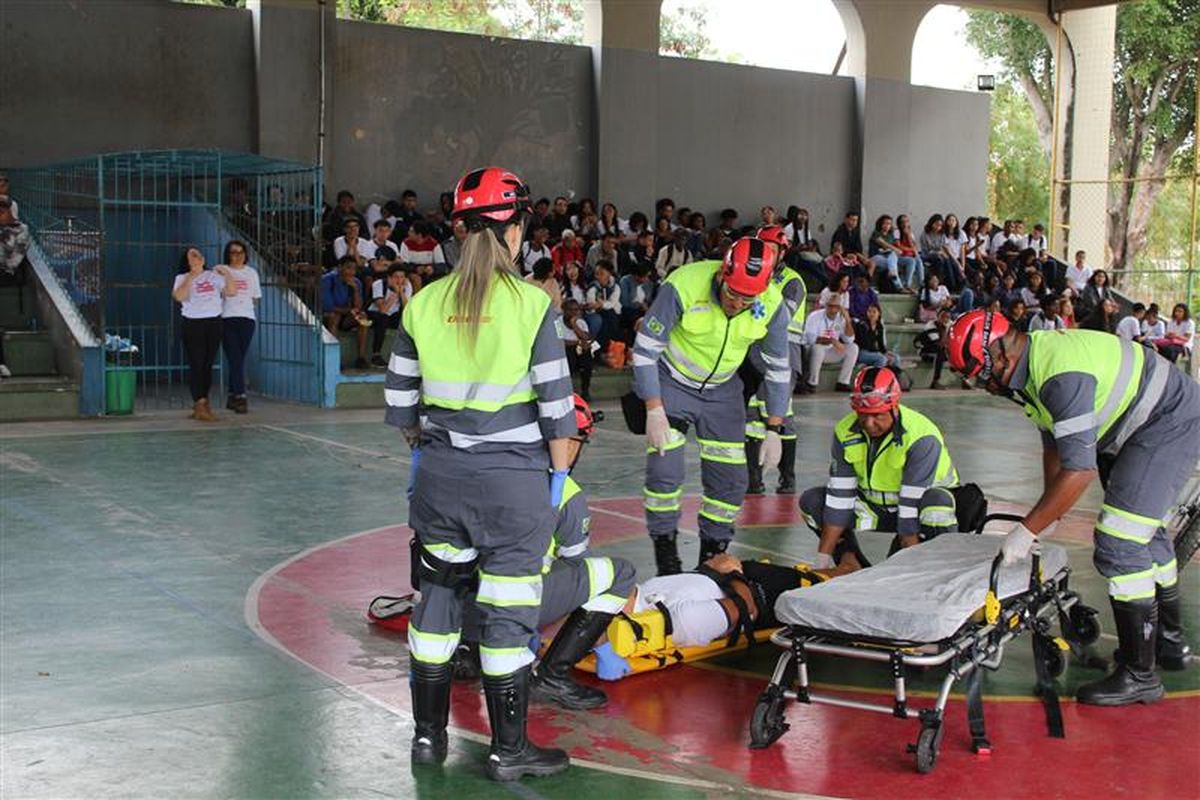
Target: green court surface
(128,548)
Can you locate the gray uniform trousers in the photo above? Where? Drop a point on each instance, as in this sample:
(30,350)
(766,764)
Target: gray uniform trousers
(503,518)
(874,517)
(718,416)
(1142,482)
(594,583)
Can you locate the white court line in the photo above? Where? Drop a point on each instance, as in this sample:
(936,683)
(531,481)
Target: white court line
(250,614)
(334,443)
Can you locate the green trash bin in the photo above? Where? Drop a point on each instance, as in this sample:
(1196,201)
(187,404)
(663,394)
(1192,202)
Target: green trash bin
(120,386)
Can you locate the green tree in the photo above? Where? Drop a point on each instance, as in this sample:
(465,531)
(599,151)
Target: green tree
(1018,173)
(1025,58)
(684,33)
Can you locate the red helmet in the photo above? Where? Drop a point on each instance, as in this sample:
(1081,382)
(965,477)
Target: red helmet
(773,234)
(584,420)
(876,390)
(490,195)
(748,266)
(968,340)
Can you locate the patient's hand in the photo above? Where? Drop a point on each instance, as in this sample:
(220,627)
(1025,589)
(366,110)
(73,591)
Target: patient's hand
(723,563)
(909,541)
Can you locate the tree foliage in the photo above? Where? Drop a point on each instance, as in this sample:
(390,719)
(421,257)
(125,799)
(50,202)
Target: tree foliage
(684,33)
(540,20)
(1018,173)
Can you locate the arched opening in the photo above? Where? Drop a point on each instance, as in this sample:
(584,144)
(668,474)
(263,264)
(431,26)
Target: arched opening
(805,37)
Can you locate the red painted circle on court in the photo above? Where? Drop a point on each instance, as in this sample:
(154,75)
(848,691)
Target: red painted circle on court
(691,722)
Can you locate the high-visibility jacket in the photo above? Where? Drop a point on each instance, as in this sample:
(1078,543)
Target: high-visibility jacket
(795,294)
(706,346)
(879,465)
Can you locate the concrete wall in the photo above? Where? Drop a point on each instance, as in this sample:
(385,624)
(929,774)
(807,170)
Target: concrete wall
(85,76)
(712,135)
(418,108)
(925,151)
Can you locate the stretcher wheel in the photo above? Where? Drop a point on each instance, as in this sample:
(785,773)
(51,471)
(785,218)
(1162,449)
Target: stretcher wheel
(927,748)
(1085,624)
(1055,661)
(767,723)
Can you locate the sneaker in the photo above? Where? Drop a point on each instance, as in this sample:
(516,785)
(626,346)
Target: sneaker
(377,361)
(5,372)
(842,387)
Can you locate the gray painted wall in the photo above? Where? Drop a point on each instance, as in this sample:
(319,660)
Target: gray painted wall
(418,108)
(713,135)
(85,76)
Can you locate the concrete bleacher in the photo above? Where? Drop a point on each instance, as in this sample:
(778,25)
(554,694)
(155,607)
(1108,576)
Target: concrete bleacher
(37,389)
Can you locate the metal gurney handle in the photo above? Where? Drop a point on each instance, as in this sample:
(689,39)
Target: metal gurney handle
(991,604)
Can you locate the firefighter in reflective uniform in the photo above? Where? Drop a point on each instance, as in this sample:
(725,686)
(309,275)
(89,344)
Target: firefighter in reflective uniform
(685,362)
(890,471)
(1105,406)
(480,354)
(588,587)
(795,297)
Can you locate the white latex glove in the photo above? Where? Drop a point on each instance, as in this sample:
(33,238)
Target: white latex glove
(658,430)
(1018,544)
(823,561)
(771,451)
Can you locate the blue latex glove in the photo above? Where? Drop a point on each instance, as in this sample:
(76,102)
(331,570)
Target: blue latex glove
(609,665)
(412,472)
(558,482)
(535,643)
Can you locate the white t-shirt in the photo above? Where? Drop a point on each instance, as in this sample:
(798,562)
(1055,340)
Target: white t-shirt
(378,287)
(1038,243)
(1129,328)
(936,298)
(1077,278)
(249,289)
(1186,329)
(365,248)
(1156,331)
(571,333)
(998,241)
(955,245)
(530,255)
(819,326)
(692,600)
(204,295)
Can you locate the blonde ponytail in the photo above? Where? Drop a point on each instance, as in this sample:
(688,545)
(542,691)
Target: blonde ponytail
(484,259)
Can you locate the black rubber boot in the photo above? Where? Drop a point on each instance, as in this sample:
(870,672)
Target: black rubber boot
(709,548)
(1172,650)
(552,678)
(431,711)
(1132,679)
(753,470)
(465,662)
(666,555)
(512,755)
(787,468)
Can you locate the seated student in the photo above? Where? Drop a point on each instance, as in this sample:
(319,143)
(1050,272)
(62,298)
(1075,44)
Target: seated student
(931,345)
(568,251)
(1015,312)
(838,285)
(388,295)
(674,255)
(934,253)
(912,269)
(1153,327)
(536,249)
(1181,334)
(603,308)
(861,297)
(637,293)
(1037,239)
(1079,274)
(421,255)
(640,253)
(606,249)
(351,243)
(542,277)
(1008,290)
(342,304)
(577,340)
(829,338)
(1130,327)
(1035,294)
(837,262)
(850,236)
(885,254)
(1053,271)
(934,297)
(1103,317)
(912,492)
(871,339)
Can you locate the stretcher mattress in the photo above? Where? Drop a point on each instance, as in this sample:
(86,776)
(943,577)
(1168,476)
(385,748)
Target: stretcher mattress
(923,593)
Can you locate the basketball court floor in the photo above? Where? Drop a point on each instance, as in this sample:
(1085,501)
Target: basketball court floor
(182,615)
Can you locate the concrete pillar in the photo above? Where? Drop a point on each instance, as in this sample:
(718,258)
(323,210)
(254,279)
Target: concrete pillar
(623,35)
(1092,33)
(287,53)
(879,39)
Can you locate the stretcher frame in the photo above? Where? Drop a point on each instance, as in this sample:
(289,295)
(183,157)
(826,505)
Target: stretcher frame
(979,644)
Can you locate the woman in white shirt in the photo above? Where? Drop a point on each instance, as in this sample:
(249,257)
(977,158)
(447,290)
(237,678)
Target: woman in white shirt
(201,292)
(610,222)
(237,329)
(839,285)
(1181,334)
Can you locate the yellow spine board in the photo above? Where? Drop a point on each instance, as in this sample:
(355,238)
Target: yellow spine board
(648,662)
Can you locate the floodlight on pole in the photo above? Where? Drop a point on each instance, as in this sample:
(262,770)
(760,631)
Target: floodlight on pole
(987,83)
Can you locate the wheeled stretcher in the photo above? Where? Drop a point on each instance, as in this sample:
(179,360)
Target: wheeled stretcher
(947,603)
